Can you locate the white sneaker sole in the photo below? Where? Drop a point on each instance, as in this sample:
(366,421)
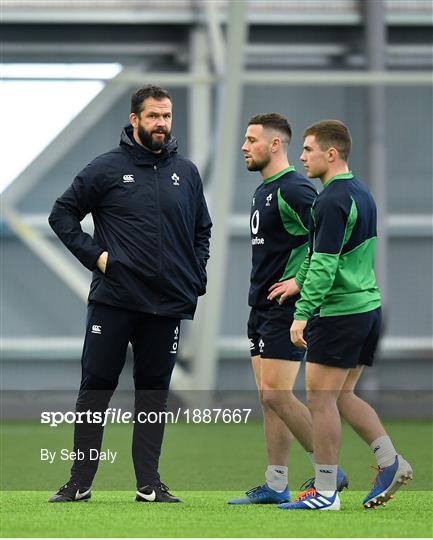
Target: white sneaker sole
(334,506)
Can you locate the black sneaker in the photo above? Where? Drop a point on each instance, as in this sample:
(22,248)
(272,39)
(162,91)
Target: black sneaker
(71,492)
(158,493)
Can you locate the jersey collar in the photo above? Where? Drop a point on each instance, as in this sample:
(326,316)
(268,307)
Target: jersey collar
(343,176)
(278,175)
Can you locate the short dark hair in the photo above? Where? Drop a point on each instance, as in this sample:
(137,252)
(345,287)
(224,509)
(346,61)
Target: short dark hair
(274,121)
(149,91)
(331,133)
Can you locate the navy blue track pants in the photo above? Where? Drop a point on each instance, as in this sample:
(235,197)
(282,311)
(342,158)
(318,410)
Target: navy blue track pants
(155,342)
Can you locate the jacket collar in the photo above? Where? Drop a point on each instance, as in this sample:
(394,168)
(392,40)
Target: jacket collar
(141,155)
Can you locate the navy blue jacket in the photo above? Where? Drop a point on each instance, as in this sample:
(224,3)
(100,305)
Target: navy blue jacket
(150,214)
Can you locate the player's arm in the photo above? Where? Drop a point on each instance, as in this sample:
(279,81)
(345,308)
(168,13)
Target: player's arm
(302,272)
(70,209)
(290,287)
(334,220)
(305,213)
(295,210)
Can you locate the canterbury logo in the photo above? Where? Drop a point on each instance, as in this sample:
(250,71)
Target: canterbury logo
(127,178)
(325,471)
(147,496)
(96,329)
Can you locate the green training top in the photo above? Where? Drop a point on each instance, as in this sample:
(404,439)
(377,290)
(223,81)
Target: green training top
(337,277)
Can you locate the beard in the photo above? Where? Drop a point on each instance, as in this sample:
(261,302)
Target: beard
(256,165)
(146,138)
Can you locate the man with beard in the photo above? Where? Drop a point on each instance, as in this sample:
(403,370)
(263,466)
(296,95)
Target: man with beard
(280,214)
(148,256)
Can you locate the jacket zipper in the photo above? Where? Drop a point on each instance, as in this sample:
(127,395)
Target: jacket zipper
(158,210)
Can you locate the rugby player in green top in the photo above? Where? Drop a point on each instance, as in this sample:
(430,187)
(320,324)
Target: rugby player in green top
(341,303)
(280,212)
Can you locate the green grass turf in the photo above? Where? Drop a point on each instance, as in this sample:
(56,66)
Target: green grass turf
(206,514)
(206,465)
(197,457)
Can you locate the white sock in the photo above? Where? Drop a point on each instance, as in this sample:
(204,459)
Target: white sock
(326,479)
(384,451)
(276,477)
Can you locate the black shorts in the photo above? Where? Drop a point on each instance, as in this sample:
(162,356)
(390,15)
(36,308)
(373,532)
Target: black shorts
(344,341)
(269,332)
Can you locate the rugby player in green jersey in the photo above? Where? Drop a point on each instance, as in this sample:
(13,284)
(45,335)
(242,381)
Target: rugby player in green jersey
(280,212)
(341,303)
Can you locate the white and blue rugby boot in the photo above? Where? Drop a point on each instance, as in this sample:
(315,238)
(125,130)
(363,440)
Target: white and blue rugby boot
(387,482)
(342,482)
(310,499)
(263,495)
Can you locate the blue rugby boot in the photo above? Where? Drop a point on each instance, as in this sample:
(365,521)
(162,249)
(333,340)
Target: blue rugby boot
(310,499)
(342,481)
(263,495)
(388,480)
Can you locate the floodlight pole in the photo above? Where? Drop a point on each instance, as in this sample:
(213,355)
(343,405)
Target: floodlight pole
(375,36)
(221,197)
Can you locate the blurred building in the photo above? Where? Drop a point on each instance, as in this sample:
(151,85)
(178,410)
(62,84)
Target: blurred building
(366,63)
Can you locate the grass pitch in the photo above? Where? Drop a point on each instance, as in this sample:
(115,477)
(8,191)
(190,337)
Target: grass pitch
(205,465)
(206,514)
